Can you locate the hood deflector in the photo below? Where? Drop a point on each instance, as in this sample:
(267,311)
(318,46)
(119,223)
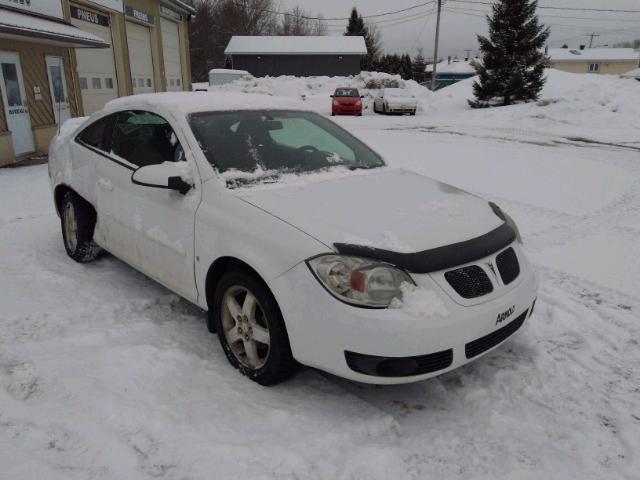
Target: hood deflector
(439,258)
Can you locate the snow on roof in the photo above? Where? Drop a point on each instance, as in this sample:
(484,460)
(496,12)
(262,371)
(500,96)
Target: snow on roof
(456,66)
(635,73)
(593,54)
(228,70)
(191,102)
(19,25)
(285,45)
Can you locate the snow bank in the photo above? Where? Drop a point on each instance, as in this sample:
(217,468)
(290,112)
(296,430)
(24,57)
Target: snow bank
(315,91)
(598,107)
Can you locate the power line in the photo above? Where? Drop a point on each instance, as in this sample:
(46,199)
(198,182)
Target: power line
(575,9)
(551,15)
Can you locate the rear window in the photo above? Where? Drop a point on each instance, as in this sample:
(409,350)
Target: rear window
(346,92)
(95,134)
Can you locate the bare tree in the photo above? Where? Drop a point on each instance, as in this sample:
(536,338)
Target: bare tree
(297,22)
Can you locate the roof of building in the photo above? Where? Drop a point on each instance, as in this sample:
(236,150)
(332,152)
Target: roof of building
(456,66)
(593,54)
(22,26)
(635,73)
(228,70)
(296,45)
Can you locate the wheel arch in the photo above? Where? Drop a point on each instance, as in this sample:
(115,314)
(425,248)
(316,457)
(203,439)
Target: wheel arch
(61,190)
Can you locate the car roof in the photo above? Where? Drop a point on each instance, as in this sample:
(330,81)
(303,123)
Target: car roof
(193,102)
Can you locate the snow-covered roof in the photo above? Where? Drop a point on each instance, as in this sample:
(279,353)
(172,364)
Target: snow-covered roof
(22,26)
(228,70)
(593,54)
(285,45)
(456,66)
(190,102)
(635,73)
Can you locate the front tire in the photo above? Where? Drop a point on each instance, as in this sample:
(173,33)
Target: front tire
(78,220)
(251,329)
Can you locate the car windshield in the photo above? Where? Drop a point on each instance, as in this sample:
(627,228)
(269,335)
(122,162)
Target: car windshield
(257,146)
(346,92)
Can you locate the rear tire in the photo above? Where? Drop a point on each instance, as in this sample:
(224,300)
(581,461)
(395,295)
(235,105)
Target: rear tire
(251,329)
(78,220)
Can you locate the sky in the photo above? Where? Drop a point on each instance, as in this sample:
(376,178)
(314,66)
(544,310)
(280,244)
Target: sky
(460,22)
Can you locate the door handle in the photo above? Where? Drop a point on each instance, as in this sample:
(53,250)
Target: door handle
(105,185)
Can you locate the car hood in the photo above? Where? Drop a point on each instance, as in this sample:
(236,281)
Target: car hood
(389,209)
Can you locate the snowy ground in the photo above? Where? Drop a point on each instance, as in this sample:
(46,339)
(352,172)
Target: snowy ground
(106,375)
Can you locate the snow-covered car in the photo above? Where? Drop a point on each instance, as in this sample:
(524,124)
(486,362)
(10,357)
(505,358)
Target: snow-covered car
(302,245)
(395,100)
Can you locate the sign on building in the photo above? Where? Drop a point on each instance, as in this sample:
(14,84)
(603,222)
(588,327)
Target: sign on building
(50,8)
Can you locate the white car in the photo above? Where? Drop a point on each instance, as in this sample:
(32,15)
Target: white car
(294,236)
(395,100)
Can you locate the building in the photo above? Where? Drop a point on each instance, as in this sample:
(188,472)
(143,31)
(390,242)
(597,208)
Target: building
(608,61)
(67,58)
(451,71)
(300,56)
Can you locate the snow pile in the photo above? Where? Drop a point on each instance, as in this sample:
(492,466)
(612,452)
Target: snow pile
(315,91)
(598,107)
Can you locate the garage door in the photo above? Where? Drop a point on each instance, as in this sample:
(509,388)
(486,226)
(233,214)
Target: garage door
(171,54)
(96,66)
(140,60)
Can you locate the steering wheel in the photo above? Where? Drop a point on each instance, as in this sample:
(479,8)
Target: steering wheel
(307,148)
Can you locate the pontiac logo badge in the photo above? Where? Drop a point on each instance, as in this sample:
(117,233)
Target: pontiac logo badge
(492,268)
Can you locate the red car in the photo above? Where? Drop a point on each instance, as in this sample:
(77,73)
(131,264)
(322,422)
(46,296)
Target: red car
(346,101)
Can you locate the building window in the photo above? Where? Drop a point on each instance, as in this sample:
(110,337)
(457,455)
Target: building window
(172,82)
(141,83)
(594,67)
(108,82)
(178,81)
(149,82)
(83,83)
(96,83)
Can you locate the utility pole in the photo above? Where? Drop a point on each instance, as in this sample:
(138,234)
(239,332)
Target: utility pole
(592,36)
(435,50)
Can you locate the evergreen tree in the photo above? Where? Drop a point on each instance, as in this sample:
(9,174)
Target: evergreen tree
(357,27)
(513,62)
(419,65)
(406,68)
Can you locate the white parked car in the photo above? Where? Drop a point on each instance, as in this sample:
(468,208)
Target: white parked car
(298,240)
(395,100)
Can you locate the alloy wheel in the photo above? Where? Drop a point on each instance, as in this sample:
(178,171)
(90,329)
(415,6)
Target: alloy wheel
(70,226)
(245,327)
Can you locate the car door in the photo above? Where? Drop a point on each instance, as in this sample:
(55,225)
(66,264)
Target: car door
(151,228)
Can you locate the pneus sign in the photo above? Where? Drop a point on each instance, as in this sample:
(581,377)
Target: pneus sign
(139,15)
(89,16)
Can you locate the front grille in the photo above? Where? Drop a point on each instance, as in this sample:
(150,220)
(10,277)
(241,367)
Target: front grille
(481,345)
(508,266)
(469,282)
(399,366)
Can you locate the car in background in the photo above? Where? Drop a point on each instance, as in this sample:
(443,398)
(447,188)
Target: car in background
(222,76)
(294,235)
(346,101)
(395,100)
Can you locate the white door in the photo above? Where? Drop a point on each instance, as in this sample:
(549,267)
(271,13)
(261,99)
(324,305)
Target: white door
(14,99)
(58,88)
(96,69)
(140,59)
(151,228)
(171,54)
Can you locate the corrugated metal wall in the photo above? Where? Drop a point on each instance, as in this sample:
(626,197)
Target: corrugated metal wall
(34,72)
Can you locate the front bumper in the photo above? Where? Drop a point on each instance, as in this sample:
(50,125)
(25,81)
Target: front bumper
(347,110)
(401,108)
(328,334)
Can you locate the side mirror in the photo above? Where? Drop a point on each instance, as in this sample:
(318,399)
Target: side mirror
(331,96)
(167,175)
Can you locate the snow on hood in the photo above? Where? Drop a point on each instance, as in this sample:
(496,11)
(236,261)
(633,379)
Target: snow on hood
(390,209)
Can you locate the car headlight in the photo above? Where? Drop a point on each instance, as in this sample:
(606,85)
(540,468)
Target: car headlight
(507,219)
(359,281)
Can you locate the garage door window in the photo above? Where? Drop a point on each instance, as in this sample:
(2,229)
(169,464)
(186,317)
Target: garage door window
(144,138)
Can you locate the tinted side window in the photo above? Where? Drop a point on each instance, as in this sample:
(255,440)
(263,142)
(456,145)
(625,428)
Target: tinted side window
(95,134)
(144,138)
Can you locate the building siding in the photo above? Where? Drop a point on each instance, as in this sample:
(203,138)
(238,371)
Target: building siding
(606,68)
(298,65)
